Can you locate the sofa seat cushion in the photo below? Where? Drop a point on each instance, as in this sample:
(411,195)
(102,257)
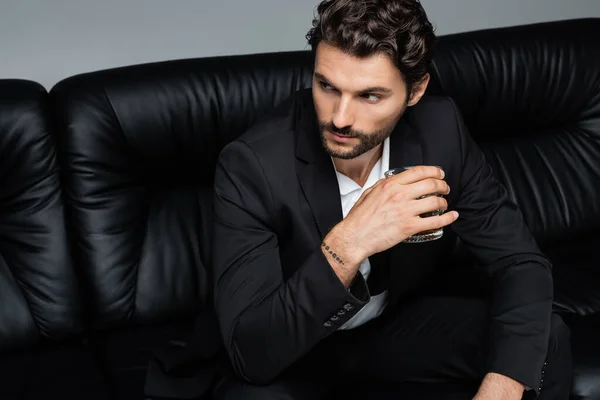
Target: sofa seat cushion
(58,371)
(125,354)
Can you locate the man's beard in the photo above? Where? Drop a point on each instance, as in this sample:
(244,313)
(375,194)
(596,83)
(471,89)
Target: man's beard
(366,141)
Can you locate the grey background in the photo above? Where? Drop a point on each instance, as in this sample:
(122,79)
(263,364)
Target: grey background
(48,40)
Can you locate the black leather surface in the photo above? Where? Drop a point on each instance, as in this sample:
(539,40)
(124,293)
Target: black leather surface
(66,371)
(38,289)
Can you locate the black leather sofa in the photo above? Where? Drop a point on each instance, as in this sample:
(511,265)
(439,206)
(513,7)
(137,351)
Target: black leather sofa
(105,198)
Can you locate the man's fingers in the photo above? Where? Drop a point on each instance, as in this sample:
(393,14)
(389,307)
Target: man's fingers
(438,221)
(419,173)
(430,204)
(428,186)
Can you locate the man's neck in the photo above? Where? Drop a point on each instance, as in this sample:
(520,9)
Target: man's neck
(359,168)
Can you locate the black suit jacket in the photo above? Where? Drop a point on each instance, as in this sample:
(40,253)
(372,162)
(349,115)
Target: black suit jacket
(277,196)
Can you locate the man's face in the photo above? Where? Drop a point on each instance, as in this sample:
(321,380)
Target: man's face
(358,101)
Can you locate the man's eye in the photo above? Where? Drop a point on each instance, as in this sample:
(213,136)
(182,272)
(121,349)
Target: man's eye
(372,97)
(326,86)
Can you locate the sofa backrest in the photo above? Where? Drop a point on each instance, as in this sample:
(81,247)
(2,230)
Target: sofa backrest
(530,96)
(39,297)
(138,146)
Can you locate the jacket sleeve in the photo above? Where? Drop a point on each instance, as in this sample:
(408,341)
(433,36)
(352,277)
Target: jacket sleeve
(267,322)
(493,228)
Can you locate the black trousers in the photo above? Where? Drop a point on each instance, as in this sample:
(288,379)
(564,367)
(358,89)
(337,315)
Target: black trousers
(430,340)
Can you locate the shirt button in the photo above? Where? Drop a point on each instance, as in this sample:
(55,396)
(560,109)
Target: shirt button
(348,307)
(328,324)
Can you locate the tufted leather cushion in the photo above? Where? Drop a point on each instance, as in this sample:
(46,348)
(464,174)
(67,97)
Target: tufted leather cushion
(139,146)
(38,288)
(530,96)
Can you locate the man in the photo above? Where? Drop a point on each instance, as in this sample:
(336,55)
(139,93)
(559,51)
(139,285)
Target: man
(313,281)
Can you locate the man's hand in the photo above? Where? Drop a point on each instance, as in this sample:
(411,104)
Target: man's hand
(385,215)
(499,387)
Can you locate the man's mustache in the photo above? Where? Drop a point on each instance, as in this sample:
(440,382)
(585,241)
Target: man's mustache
(347,131)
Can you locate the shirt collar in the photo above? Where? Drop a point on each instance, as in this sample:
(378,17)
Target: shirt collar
(347,185)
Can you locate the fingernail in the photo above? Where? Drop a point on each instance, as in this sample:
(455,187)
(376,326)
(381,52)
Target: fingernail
(443,173)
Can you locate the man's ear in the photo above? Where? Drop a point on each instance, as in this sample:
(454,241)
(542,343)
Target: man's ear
(418,90)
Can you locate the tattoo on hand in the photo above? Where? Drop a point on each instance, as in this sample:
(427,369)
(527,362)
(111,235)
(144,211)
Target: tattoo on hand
(334,255)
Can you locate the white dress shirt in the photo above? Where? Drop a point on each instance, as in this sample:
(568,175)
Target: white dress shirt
(350,192)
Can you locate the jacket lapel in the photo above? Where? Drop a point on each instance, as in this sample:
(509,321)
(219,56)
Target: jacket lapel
(315,171)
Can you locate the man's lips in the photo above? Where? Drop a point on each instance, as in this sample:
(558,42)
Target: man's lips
(341,138)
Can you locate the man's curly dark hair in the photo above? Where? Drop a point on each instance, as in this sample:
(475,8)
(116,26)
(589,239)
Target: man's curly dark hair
(398,28)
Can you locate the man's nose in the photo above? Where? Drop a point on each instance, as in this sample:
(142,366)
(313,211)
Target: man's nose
(343,116)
